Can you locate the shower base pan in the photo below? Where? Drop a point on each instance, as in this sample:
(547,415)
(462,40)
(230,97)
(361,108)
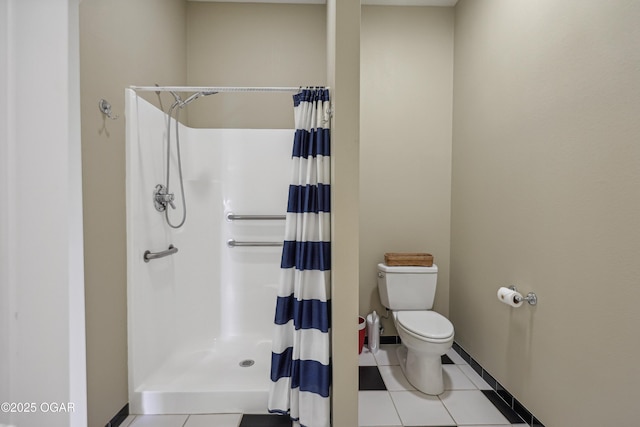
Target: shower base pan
(230,377)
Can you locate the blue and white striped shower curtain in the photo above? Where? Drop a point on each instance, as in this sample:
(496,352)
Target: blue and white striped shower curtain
(301,353)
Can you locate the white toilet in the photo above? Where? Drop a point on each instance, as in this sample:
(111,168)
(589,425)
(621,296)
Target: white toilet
(426,335)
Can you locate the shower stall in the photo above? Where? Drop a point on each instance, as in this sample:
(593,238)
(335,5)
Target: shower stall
(201,297)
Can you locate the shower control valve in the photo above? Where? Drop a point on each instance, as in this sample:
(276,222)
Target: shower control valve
(161,198)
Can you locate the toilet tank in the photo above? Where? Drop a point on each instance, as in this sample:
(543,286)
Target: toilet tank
(407,288)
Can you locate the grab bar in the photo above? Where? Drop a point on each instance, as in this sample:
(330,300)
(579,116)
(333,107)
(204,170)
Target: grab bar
(233,217)
(148,255)
(231,243)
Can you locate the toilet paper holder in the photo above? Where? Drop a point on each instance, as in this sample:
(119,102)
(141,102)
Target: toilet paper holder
(531,298)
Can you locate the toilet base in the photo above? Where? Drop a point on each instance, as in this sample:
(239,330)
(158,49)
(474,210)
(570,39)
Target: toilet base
(424,373)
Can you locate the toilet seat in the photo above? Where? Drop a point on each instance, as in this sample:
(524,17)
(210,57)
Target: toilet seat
(425,324)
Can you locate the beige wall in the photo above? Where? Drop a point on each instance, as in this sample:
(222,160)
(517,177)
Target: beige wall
(405,153)
(343,71)
(240,44)
(122,43)
(546,172)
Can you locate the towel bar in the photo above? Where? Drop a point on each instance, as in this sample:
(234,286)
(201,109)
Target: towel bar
(231,243)
(148,255)
(233,217)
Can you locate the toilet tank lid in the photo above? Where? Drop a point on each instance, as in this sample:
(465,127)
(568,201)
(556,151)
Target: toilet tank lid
(407,269)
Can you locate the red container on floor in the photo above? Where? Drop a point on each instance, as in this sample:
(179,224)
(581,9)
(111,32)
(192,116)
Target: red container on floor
(362,324)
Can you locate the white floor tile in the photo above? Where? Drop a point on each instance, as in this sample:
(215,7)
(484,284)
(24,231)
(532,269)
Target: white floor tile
(375,408)
(387,354)
(159,421)
(474,377)
(394,379)
(127,421)
(471,407)
(419,409)
(455,379)
(456,358)
(366,358)
(214,420)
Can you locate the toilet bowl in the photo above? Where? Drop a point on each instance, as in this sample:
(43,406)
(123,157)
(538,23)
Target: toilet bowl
(426,335)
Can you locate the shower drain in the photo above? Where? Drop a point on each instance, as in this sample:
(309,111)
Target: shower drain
(246,363)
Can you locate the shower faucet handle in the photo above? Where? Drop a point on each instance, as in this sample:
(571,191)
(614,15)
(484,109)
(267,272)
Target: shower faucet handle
(167,199)
(161,198)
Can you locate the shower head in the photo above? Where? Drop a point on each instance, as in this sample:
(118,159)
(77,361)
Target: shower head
(196,96)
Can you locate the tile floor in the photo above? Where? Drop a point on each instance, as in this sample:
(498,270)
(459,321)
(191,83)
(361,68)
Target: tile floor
(210,420)
(385,399)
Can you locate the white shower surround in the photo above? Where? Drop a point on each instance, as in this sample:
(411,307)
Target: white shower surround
(195,315)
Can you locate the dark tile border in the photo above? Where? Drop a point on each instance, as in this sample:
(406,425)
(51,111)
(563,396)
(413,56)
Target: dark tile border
(369,378)
(536,423)
(502,406)
(386,339)
(499,391)
(390,340)
(119,417)
(265,420)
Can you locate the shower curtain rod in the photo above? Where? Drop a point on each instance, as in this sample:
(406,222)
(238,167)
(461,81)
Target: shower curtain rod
(215,89)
